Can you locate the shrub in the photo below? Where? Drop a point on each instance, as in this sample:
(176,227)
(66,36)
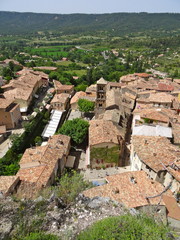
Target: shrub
(70,185)
(124,228)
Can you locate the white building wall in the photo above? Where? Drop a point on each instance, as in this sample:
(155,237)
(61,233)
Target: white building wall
(135,162)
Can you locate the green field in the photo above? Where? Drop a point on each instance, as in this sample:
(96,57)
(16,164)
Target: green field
(79,73)
(56,51)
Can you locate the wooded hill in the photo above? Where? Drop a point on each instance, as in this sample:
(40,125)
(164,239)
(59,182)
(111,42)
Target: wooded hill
(117,23)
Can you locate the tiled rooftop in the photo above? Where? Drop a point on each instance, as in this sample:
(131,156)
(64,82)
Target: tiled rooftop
(155,152)
(4,103)
(161,98)
(6,182)
(172,207)
(154,115)
(77,96)
(42,160)
(101,131)
(130,189)
(61,98)
(165,87)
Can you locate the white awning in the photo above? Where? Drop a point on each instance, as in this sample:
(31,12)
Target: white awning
(51,127)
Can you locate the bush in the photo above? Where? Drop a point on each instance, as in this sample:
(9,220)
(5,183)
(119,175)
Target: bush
(125,227)
(70,185)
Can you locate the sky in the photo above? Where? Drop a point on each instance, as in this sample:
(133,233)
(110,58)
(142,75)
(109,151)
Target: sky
(90,6)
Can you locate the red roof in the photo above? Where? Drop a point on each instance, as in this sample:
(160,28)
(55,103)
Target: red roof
(143,75)
(165,87)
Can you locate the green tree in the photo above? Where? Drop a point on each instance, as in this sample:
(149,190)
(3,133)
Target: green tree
(85,105)
(81,87)
(77,129)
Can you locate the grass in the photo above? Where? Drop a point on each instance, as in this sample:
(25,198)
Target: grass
(64,63)
(109,155)
(79,73)
(49,51)
(67,63)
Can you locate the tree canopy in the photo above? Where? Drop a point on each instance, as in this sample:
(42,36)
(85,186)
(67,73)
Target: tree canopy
(85,105)
(77,129)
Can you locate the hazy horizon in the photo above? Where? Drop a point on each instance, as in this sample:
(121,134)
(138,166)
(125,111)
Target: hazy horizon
(91,7)
(86,13)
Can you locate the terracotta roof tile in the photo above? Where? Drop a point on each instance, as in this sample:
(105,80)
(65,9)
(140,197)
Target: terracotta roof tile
(161,98)
(143,75)
(101,131)
(165,87)
(153,114)
(77,96)
(155,152)
(62,97)
(6,183)
(172,207)
(4,103)
(130,188)
(40,162)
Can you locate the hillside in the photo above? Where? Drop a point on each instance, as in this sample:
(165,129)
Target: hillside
(118,23)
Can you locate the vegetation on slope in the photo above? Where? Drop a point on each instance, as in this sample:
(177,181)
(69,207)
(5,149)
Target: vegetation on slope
(125,227)
(121,23)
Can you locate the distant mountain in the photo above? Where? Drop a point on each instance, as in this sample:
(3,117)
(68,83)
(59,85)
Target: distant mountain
(120,23)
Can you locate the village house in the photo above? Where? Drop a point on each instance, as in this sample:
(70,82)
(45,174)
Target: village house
(39,166)
(43,80)
(8,185)
(135,190)
(60,101)
(81,95)
(91,89)
(114,85)
(151,122)
(7,61)
(155,155)
(145,94)
(159,99)
(106,144)
(165,87)
(23,89)
(133,78)
(154,116)
(75,98)
(10,115)
(127,79)
(60,88)
(156,122)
